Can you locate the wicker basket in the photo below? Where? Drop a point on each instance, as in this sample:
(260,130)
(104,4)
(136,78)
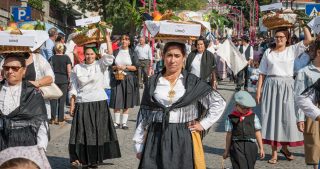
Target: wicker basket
(119,75)
(82,38)
(275,21)
(14,49)
(174,37)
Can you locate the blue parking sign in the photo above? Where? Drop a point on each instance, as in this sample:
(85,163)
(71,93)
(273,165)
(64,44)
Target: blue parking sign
(21,14)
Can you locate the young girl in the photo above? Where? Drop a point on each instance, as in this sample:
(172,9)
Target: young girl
(243,131)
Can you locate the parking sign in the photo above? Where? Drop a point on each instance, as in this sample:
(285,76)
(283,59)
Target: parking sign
(21,14)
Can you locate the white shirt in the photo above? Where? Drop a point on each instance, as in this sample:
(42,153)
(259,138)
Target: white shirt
(188,48)
(123,58)
(307,106)
(10,100)
(280,63)
(215,107)
(244,51)
(87,80)
(196,63)
(143,52)
(162,89)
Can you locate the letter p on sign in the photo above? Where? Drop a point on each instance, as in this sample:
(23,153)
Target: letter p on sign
(21,14)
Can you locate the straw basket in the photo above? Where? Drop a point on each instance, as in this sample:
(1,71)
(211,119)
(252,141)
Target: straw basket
(279,20)
(85,38)
(119,75)
(14,49)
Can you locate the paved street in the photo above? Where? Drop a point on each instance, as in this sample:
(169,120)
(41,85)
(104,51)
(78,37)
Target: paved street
(213,144)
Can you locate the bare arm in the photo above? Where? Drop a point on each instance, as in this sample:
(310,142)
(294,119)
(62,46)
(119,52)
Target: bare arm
(109,44)
(307,36)
(259,140)
(228,144)
(68,71)
(72,105)
(259,87)
(45,81)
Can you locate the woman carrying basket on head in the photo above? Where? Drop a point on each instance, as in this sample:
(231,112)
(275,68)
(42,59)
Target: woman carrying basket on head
(275,92)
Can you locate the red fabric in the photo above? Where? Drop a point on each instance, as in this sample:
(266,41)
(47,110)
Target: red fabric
(115,46)
(241,115)
(80,53)
(279,143)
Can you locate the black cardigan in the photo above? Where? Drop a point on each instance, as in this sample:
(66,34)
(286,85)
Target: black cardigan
(208,63)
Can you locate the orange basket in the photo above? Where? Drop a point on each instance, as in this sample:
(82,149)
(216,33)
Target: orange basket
(277,20)
(119,75)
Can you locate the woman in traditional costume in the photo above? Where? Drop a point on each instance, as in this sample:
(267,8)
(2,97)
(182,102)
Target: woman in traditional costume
(92,137)
(23,113)
(176,107)
(276,84)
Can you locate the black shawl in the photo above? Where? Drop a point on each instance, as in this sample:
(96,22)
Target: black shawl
(20,127)
(195,89)
(208,63)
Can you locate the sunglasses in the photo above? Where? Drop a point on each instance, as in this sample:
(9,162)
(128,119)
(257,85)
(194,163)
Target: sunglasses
(14,68)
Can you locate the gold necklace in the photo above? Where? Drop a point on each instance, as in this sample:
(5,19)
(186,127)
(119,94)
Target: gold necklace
(172,92)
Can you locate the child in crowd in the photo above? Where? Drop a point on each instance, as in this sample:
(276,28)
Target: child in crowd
(243,131)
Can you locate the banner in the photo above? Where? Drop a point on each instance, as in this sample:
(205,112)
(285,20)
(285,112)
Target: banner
(230,53)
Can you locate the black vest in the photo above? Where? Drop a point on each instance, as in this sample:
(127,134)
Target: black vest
(243,130)
(246,53)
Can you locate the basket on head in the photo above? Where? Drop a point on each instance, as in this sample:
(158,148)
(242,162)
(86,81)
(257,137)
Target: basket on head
(90,36)
(275,20)
(14,49)
(119,75)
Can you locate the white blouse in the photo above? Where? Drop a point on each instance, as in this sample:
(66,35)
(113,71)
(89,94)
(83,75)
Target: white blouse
(215,109)
(196,63)
(307,106)
(87,80)
(280,63)
(163,87)
(123,58)
(10,100)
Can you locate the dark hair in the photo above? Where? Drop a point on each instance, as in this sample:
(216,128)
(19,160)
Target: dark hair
(286,32)
(245,38)
(19,162)
(60,37)
(20,57)
(201,38)
(181,46)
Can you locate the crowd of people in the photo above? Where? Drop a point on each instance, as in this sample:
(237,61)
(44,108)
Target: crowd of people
(179,104)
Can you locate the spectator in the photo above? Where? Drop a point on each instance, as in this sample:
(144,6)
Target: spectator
(78,53)
(61,66)
(144,54)
(47,48)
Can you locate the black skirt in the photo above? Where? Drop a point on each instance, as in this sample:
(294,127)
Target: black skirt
(243,154)
(175,151)
(92,136)
(125,93)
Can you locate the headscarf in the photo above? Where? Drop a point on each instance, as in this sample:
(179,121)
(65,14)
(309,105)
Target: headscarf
(33,153)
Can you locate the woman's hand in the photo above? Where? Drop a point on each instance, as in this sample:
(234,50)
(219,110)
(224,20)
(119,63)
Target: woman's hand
(225,154)
(138,156)
(258,97)
(300,126)
(261,153)
(35,84)
(71,110)
(196,127)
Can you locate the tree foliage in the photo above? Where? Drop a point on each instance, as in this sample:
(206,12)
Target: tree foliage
(177,5)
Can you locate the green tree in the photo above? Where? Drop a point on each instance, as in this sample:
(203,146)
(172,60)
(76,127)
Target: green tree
(177,5)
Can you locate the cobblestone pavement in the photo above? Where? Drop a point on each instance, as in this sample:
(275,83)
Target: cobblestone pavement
(214,143)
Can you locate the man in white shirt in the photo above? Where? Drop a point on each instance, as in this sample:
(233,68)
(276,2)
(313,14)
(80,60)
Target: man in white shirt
(247,51)
(144,53)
